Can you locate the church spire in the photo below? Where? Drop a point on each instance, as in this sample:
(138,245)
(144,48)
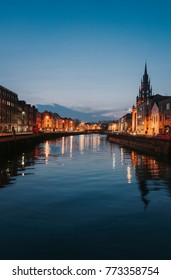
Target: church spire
(145,70)
(145,90)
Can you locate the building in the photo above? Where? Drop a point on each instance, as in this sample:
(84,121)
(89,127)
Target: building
(38,120)
(141,124)
(8,110)
(47,121)
(165,115)
(113,126)
(125,123)
(17,114)
(66,124)
(154,126)
(134,119)
(26,117)
(53,122)
(152,113)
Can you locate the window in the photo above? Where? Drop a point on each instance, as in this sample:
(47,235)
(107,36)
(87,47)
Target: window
(140,108)
(167,106)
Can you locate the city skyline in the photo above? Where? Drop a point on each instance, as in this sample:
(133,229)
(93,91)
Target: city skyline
(86,55)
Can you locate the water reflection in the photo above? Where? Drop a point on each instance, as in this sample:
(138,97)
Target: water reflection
(64,146)
(122,155)
(85,142)
(114,161)
(84,195)
(71,141)
(129,176)
(150,174)
(6,173)
(81,143)
(19,166)
(47,151)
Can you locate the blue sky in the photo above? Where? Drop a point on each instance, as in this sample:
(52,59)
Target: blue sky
(85,53)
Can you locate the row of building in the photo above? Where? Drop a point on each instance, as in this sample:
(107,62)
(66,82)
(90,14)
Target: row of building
(151,115)
(17,115)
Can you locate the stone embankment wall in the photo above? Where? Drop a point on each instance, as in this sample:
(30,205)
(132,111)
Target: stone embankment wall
(149,145)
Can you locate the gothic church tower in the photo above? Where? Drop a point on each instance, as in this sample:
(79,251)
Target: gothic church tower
(140,112)
(145,90)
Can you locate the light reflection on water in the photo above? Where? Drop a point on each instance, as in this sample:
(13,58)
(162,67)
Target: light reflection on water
(85,198)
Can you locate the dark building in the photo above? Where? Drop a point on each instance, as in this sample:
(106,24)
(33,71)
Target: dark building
(141,112)
(26,116)
(8,109)
(151,115)
(145,90)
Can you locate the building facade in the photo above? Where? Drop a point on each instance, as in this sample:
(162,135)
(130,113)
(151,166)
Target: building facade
(125,123)
(152,113)
(26,117)
(143,104)
(165,115)
(8,110)
(113,126)
(53,122)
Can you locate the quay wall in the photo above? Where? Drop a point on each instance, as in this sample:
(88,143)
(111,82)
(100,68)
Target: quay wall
(149,145)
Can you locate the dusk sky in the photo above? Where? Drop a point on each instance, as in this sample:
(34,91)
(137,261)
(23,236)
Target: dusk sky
(87,53)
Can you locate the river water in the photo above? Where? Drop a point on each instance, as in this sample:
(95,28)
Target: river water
(81,197)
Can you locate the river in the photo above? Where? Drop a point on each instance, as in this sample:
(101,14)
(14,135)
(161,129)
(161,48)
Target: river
(81,197)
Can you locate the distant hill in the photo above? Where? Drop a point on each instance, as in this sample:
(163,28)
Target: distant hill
(66,112)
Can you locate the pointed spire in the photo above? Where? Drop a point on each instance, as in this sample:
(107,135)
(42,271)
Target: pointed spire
(145,70)
(145,89)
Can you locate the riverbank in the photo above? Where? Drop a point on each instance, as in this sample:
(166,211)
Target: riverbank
(12,145)
(149,145)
